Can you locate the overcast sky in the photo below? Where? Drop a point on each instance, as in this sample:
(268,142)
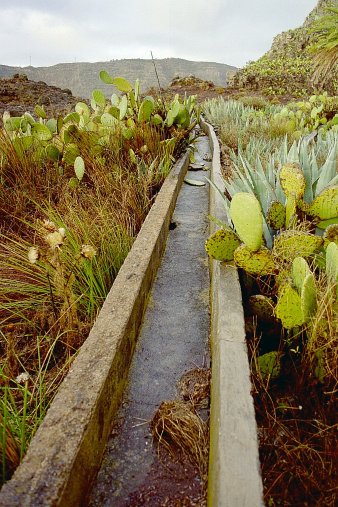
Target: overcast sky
(46,32)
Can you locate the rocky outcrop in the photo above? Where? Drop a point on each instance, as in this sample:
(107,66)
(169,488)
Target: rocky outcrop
(18,95)
(287,67)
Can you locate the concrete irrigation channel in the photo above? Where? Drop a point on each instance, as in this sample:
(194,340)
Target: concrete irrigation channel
(165,316)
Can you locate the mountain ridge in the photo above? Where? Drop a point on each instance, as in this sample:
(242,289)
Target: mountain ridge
(82,77)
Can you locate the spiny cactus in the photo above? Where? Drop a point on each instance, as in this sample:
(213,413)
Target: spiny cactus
(262,306)
(292,180)
(289,307)
(290,244)
(332,262)
(246,215)
(222,244)
(330,235)
(308,297)
(325,205)
(259,262)
(269,365)
(276,215)
(300,270)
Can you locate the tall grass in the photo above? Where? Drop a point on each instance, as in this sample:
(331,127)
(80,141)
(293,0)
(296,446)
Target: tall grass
(50,298)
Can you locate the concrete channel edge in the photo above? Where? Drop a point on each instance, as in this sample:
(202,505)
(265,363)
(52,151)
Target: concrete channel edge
(234,478)
(65,454)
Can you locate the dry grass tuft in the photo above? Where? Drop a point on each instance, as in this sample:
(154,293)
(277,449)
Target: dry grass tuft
(177,426)
(194,386)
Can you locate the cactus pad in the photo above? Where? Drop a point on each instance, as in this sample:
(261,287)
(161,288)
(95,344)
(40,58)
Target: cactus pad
(276,215)
(289,307)
(222,244)
(257,263)
(308,297)
(291,244)
(325,223)
(300,270)
(292,180)
(330,235)
(246,215)
(290,211)
(325,205)
(269,365)
(262,307)
(332,262)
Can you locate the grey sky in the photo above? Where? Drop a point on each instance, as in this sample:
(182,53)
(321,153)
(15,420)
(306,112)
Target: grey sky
(47,32)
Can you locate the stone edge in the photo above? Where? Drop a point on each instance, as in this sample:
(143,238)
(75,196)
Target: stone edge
(65,454)
(234,478)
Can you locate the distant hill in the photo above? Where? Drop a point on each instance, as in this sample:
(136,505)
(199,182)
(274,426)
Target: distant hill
(82,78)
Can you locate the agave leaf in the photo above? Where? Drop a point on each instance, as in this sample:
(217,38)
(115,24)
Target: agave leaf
(328,171)
(307,171)
(293,156)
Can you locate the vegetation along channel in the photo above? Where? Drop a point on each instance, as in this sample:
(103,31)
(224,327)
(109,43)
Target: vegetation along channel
(80,179)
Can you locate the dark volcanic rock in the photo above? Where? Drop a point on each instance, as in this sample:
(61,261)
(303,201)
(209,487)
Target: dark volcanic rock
(18,94)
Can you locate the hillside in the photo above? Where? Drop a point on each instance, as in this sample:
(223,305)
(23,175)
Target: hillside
(82,78)
(287,67)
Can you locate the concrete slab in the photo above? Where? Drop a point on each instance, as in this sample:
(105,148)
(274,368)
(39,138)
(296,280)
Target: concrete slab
(66,452)
(173,339)
(234,470)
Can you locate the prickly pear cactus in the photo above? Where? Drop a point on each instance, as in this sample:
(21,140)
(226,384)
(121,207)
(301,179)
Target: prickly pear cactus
(330,235)
(263,307)
(292,180)
(222,244)
(257,263)
(332,262)
(325,205)
(309,297)
(246,215)
(292,243)
(323,224)
(276,215)
(300,270)
(290,211)
(269,365)
(289,307)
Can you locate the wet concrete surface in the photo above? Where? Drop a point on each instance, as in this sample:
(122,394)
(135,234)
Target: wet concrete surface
(172,341)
